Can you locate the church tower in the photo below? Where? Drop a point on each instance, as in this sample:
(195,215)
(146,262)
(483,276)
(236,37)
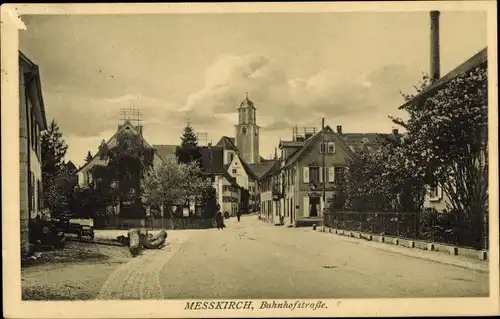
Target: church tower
(247,132)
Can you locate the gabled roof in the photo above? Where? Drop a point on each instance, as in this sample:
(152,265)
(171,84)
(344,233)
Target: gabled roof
(34,69)
(227,143)
(165,150)
(480,58)
(271,171)
(230,179)
(120,129)
(247,168)
(310,142)
(260,169)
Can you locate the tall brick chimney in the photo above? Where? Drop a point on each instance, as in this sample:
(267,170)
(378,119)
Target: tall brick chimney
(435,72)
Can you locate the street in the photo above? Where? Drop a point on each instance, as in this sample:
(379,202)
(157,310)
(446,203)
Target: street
(252,259)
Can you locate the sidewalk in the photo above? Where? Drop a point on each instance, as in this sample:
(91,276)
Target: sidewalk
(434,256)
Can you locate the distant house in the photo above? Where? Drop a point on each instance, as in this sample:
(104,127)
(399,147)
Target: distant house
(84,173)
(293,188)
(435,197)
(32,122)
(228,193)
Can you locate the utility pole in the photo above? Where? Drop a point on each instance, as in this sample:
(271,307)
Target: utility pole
(323,161)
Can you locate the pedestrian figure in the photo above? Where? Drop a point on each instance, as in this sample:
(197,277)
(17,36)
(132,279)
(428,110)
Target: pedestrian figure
(219,220)
(238,214)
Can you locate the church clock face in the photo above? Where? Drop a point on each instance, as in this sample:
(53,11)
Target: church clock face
(244,130)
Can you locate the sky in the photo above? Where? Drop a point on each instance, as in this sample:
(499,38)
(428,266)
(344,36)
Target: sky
(296,67)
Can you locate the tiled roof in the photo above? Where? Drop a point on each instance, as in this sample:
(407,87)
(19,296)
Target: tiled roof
(273,169)
(227,143)
(291,144)
(478,59)
(217,161)
(165,150)
(307,145)
(230,179)
(260,169)
(120,129)
(358,142)
(247,168)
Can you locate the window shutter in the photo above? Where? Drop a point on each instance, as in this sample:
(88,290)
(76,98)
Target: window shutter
(305,206)
(439,192)
(322,148)
(321,175)
(331,174)
(306,175)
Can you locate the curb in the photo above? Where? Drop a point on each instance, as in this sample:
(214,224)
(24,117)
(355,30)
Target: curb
(412,245)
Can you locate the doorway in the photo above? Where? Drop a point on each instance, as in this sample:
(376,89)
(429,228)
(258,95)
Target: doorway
(314,203)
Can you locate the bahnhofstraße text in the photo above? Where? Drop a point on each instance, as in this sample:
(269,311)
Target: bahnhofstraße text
(249,305)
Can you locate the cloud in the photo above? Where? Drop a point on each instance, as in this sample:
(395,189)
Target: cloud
(86,116)
(285,102)
(282,102)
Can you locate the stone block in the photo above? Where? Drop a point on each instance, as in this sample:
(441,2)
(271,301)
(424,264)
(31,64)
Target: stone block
(483,255)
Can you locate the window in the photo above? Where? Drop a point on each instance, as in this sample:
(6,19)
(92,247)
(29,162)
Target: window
(234,171)
(32,192)
(39,195)
(231,156)
(435,192)
(331,147)
(314,175)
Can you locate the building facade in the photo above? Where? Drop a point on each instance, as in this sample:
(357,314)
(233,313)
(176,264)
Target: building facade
(32,122)
(228,194)
(313,161)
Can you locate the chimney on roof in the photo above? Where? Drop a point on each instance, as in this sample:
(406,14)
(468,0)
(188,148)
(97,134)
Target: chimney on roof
(139,128)
(435,63)
(339,129)
(395,132)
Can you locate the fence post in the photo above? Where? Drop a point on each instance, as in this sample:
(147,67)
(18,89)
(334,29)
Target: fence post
(359,221)
(433,227)
(384,224)
(397,223)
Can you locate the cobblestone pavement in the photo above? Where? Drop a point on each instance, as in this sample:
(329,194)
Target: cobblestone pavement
(138,279)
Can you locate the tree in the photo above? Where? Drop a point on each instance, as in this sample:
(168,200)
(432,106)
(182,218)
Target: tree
(173,184)
(127,163)
(447,145)
(188,151)
(189,137)
(55,178)
(53,149)
(89,157)
(59,191)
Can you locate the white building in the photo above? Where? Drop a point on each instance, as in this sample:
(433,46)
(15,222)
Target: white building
(32,121)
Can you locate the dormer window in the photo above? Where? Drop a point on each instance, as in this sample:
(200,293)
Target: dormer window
(244,130)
